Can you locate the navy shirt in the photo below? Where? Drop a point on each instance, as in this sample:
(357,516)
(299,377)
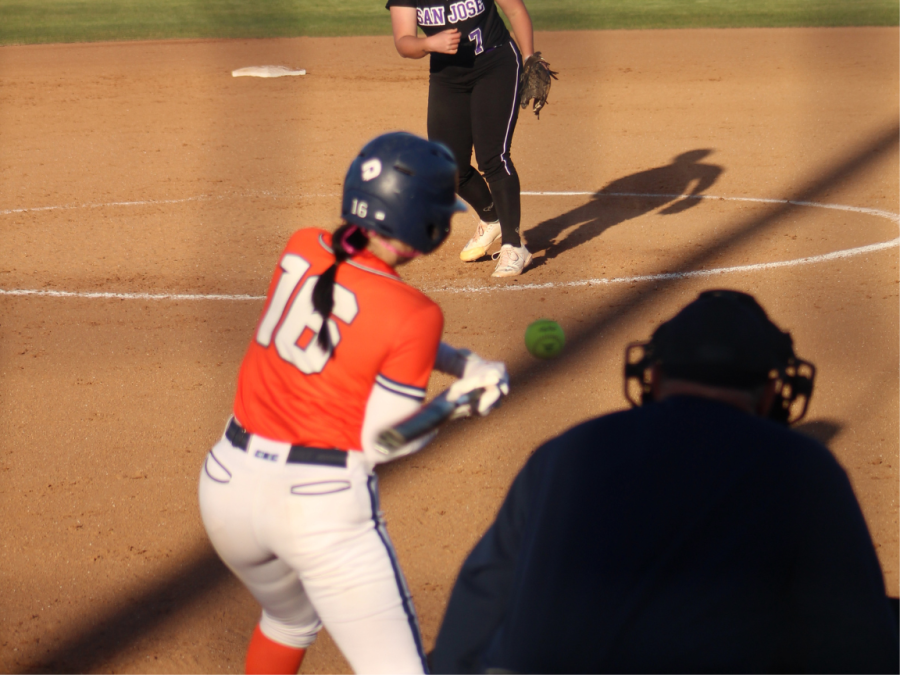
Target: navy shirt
(682,536)
(480,26)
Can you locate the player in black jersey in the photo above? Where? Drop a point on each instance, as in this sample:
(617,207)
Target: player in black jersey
(473,100)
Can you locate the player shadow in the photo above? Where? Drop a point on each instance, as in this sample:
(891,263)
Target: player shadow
(626,198)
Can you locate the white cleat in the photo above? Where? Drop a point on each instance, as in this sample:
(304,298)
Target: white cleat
(511,260)
(485,235)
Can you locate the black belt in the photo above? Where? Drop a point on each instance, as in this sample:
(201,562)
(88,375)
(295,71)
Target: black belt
(298,454)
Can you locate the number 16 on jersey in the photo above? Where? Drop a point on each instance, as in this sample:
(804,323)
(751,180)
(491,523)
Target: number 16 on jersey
(300,324)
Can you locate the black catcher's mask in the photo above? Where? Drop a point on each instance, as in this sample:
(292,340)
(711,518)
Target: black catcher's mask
(725,339)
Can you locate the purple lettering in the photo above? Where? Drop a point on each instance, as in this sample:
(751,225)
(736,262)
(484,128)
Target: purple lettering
(430,16)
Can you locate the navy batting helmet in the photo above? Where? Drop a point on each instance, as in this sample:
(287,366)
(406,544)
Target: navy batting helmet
(724,338)
(404,187)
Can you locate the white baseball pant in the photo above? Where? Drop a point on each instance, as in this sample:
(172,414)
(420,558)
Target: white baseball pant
(309,542)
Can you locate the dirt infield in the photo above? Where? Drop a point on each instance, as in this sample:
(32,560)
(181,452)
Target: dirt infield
(146,168)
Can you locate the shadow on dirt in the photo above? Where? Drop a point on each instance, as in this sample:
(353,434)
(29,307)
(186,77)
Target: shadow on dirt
(823,430)
(114,629)
(97,640)
(626,198)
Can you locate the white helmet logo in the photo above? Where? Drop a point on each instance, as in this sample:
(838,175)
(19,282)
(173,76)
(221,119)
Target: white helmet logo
(371,169)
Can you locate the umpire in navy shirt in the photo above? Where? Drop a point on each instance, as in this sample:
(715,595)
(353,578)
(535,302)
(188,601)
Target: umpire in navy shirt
(693,533)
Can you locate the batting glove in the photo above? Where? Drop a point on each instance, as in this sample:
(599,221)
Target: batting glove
(480,374)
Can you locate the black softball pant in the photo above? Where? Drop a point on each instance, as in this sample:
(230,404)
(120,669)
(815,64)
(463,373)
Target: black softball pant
(478,106)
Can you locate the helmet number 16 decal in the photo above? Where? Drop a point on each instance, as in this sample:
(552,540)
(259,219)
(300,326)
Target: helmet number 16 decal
(301,324)
(359,208)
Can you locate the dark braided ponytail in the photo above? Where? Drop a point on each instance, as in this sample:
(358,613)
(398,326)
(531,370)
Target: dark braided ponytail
(346,241)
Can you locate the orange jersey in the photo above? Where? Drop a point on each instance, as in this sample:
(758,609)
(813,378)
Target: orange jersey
(383,330)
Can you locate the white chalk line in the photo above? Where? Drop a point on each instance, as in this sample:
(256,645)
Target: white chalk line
(129,296)
(154,202)
(668,276)
(145,202)
(836,207)
(809,260)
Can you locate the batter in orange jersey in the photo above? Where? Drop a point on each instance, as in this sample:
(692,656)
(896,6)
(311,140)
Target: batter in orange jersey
(383,332)
(343,350)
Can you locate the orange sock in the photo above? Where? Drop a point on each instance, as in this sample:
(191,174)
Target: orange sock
(267,657)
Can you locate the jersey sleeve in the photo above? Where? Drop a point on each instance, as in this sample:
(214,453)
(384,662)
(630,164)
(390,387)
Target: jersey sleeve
(410,361)
(400,3)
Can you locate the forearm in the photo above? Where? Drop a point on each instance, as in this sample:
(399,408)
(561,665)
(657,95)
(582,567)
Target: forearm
(523,31)
(474,373)
(450,360)
(412,47)
(385,408)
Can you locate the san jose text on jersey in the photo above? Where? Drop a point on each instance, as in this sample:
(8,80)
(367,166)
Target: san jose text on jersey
(456,12)
(478,21)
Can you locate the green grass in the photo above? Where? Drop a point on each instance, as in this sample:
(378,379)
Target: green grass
(38,21)
(638,14)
